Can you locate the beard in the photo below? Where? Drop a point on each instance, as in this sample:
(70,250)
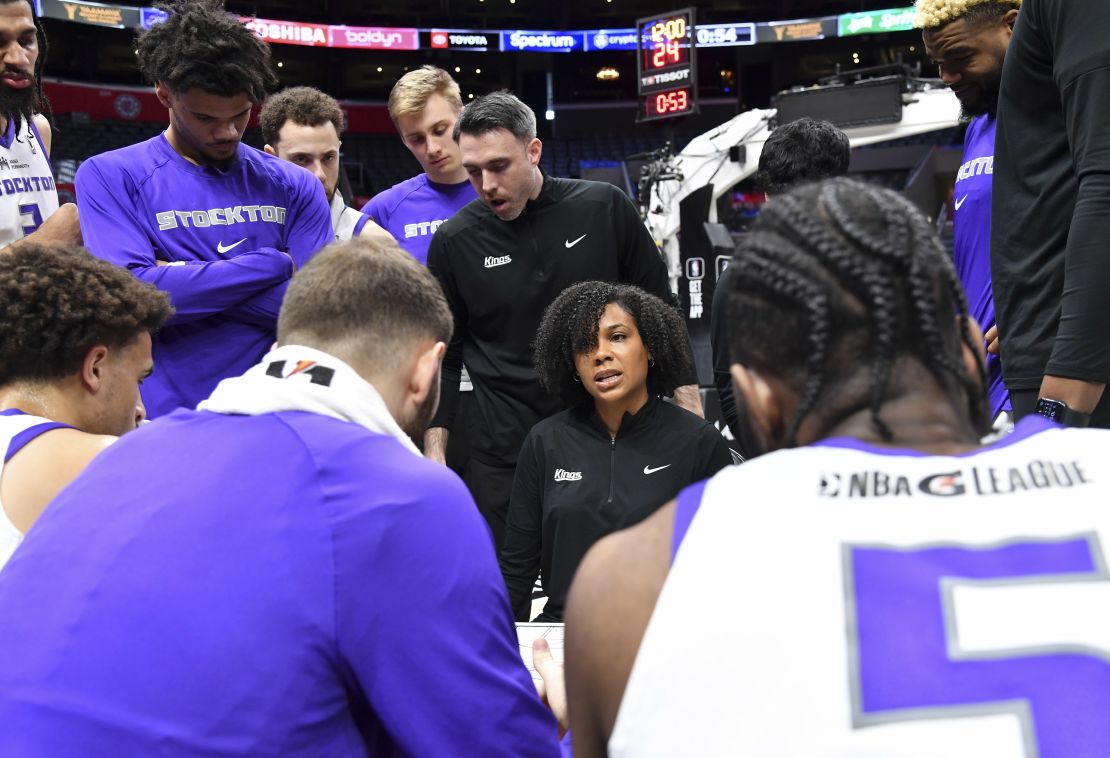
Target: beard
(17,101)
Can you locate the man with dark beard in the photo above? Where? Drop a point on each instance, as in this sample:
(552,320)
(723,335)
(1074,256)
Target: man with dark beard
(29,199)
(279,572)
(967,39)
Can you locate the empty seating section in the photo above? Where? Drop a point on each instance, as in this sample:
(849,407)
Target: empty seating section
(373,161)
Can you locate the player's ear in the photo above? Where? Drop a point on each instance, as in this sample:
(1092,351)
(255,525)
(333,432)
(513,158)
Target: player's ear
(763,407)
(93,368)
(162,92)
(269,150)
(535,150)
(425,370)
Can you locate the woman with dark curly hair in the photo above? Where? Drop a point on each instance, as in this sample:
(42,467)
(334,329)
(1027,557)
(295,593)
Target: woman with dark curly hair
(609,351)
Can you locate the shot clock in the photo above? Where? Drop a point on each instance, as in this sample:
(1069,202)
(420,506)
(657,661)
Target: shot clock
(665,63)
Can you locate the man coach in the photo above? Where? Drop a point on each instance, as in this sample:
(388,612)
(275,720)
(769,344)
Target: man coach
(502,260)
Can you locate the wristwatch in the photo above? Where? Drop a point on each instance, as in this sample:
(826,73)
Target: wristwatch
(1058,411)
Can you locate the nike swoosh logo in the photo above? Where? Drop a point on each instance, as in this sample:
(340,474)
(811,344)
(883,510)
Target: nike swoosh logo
(223,250)
(572,244)
(960,202)
(650,470)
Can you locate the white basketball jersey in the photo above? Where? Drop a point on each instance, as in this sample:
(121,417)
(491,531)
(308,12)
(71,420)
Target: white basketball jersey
(28,195)
(832,601)
(11,428)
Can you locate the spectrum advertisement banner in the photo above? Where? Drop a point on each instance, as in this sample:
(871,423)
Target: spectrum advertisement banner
(522,41)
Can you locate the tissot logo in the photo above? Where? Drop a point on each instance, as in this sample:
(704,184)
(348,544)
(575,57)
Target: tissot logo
(567,476)
(492,262)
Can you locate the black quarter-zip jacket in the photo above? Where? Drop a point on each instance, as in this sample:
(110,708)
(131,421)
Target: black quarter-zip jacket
(574,485)
(499,276)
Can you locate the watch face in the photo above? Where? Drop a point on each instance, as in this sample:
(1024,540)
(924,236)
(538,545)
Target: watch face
(1050,409)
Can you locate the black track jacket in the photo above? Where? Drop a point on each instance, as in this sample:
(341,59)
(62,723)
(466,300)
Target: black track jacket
(574,485)
(499,276)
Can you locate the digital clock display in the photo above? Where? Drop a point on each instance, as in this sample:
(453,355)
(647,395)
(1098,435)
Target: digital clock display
(673,102)
(667,66)
(666,43)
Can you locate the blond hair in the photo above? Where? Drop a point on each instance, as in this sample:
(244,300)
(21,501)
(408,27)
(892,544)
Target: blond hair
(935,13)
(411,92)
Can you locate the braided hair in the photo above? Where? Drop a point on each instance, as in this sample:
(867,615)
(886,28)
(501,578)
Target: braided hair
(841,274)
(569,328)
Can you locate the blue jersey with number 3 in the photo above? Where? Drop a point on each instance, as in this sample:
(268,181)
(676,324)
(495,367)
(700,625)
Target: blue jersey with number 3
(848,601)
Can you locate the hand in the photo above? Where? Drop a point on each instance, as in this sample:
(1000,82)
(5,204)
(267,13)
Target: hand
(553,688)
(689,397)
(1077,394)
(62,228)
(435,444)
(992,341)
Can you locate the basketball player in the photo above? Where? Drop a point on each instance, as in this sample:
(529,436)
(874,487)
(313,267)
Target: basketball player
(73,351)
(881,585)
(795,153)
(259,596)
(302,125)
(28,197)
(424,105)
(218,225)
(967,39)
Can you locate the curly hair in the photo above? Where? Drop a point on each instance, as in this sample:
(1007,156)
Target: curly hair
(306,106)
(933,14)
(57,302)
(202,45)
(841,274)
(802,151)
(569,328)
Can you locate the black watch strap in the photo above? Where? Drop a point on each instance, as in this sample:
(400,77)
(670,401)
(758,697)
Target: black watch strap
(1058,411)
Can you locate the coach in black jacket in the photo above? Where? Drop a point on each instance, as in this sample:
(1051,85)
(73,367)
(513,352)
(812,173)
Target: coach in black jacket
(501,260)
(619,452)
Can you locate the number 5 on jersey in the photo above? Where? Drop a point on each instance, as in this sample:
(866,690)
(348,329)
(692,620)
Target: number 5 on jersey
(1012,640)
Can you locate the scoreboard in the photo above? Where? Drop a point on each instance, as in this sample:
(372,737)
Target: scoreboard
(667,71)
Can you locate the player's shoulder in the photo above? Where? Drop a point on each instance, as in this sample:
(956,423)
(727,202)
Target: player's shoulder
(583,189)
(136,161)
(388,200)
(282,171)
(471,215)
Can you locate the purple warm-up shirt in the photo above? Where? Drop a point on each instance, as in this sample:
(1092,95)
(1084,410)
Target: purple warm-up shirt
(231,235)
(412,211)
(286,584)
(972,243)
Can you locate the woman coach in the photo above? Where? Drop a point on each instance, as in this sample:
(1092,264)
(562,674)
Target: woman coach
(609,351)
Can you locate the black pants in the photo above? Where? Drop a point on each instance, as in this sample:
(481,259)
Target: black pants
(491,486)
(1025,403)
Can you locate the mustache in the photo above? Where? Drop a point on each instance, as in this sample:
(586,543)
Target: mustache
(16,72)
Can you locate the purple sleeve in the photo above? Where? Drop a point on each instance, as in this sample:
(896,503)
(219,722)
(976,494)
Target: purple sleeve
(310,227)
(424,625)
(305,240)
(112,232)
(375,209)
